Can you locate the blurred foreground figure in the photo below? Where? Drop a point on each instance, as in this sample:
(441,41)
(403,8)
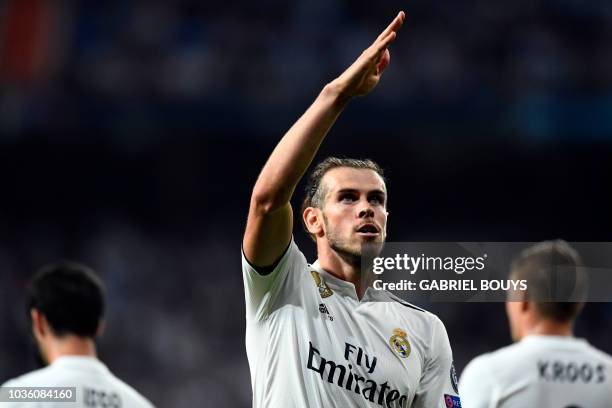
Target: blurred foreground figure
(65,303)
(317,335)
(547,367)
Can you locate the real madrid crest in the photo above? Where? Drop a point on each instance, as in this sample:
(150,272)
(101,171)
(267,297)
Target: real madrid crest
(324,290)
(399,343)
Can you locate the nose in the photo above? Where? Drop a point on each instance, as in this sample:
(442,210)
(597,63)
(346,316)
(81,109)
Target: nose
(366,210)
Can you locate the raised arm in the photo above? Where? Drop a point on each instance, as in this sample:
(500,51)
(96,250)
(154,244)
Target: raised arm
(270,221)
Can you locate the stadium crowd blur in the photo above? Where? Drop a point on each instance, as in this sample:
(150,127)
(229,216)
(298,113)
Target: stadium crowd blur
(131,133)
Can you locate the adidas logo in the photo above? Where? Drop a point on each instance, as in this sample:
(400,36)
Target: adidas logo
(325,312)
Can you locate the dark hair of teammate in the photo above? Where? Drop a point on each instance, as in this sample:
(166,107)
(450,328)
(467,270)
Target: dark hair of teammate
(70,296)
(314,192)
(553,271)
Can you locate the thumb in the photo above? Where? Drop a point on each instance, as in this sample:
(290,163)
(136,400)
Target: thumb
(384,62)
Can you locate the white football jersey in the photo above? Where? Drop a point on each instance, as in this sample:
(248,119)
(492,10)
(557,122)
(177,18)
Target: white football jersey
(311,343)
(95,385)
(539,371)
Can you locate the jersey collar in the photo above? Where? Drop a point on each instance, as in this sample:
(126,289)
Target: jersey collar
(347,288)
(552,339)
(80,362)
(336,284)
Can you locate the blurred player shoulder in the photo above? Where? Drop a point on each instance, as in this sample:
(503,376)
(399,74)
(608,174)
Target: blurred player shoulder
(94,382)
(513,370)
(532,348)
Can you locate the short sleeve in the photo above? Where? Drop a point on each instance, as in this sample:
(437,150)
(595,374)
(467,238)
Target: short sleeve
(438,385)
(476,384)
(263,292)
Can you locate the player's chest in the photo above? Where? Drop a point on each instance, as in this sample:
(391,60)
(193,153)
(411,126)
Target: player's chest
(373,347)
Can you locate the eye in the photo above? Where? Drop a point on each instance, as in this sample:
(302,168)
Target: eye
(377,200)
(347,198)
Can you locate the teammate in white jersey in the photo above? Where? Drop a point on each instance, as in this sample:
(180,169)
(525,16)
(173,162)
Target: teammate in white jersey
(65,303)
(547,367)
(317,336)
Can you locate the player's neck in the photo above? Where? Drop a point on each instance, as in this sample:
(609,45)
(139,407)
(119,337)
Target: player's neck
(70,345)
(551,328)
(342,268)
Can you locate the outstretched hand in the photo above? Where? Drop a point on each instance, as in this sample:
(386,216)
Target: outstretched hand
(363,75)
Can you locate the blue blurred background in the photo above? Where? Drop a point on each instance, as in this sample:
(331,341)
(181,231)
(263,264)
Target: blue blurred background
(132,132)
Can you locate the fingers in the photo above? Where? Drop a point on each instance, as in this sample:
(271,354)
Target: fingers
(394,26)
(384,43)
(388,35)
(371,58)
(377,49)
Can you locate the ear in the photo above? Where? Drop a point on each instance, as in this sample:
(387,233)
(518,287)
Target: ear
(101,328)
(39,324)
(313,221)
(525,306)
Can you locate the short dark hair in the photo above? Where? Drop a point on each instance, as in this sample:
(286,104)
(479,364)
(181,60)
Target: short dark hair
(314,195)
(70,296)
(553,271)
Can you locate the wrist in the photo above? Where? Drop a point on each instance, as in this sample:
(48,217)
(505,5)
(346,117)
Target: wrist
(337,93)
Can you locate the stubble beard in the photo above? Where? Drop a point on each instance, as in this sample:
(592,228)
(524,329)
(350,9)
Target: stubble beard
(344,249)
(341,246)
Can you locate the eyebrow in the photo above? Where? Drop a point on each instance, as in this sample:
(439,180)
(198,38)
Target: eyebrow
(354,190)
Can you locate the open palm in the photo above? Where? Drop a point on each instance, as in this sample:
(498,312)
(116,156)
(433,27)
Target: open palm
(363,75)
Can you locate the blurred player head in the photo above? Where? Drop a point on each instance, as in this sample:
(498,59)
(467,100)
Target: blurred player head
(346,205)
(553,271)
(65,305)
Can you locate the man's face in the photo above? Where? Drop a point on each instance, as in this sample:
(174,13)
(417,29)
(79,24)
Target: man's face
(354,209)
